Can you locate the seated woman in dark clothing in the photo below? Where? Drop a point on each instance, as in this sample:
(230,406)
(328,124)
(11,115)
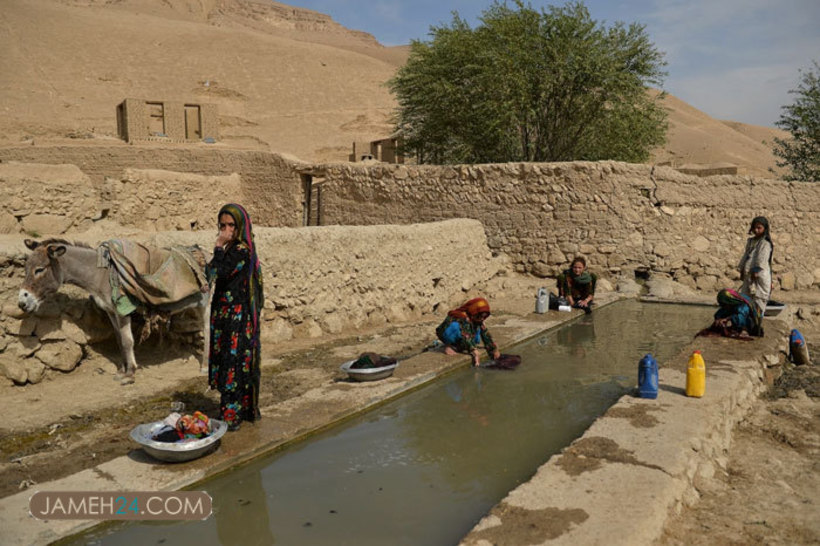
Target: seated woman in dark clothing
(738,316)
(577,285)
(463,330)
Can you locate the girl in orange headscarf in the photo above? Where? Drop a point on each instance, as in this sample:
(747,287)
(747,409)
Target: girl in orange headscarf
(463,330)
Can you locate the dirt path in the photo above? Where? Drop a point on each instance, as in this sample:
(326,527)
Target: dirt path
(82,419)
(769,492)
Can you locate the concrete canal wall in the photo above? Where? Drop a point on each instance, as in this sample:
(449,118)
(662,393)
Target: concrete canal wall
(642,461)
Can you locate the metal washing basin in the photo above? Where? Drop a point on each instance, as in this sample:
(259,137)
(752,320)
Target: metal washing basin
(177,452)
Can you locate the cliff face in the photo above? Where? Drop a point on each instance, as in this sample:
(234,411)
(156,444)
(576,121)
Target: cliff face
(260,15)
(273,16)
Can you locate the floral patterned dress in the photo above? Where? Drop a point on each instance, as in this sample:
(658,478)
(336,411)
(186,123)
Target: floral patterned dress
(233,363)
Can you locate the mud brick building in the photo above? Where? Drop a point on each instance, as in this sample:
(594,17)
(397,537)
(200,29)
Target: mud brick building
(167,121)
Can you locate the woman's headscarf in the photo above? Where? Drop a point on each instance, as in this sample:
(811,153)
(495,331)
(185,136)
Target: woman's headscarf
(729,299)
(471,309)
(584,277)
(244,235)
(766,235)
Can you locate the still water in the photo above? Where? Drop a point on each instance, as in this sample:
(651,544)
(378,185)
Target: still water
(425,468)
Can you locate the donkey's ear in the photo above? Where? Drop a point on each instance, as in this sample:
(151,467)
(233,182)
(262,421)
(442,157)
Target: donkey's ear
(31,244)
(55,251)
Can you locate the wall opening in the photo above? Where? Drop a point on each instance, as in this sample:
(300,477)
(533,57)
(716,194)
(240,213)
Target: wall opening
(193,122)
(122,124)
(156,118)
(312,200)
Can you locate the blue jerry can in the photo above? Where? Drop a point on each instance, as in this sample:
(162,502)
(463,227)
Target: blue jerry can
(648,377)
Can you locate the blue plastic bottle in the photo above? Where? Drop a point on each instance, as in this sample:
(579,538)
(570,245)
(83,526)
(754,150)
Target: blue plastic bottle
(798,351)
(648,377)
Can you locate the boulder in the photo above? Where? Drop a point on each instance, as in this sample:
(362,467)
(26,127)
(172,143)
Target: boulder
(787,281)
(662,250)
(35,370)
(396,313)
(628,286)
(308,328)
(804,280)
(60,355)
(706,282)
(542,270)
(700,244)
(278,330)
(331,323)
(13,369)
(49,329)
(557,257)
(685,280)
(23,347)
(8,223)
(15,312)
(661,287)
(43,224)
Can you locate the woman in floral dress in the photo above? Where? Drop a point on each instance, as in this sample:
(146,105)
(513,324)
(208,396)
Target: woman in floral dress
(233,360)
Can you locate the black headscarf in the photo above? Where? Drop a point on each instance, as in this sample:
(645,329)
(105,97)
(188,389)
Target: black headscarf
(765,223)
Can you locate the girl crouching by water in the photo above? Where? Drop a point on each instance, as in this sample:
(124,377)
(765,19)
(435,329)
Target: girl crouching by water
(577,285)
(463,330)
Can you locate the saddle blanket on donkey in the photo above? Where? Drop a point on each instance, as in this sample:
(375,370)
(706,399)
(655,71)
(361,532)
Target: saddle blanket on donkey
(151,277)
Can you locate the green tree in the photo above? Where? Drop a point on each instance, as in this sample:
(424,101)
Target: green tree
(529,85)
(801,153)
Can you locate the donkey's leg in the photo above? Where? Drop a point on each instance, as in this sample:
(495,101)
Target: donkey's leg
(112,318)
(127,341)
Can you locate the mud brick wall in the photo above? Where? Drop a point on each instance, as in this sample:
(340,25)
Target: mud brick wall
(622,217)
(317,281)
(271,187)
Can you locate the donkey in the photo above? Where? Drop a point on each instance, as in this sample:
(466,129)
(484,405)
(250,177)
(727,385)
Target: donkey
(56,261)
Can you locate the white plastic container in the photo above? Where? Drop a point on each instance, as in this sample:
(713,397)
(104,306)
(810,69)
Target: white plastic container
(541,301)
(564,308)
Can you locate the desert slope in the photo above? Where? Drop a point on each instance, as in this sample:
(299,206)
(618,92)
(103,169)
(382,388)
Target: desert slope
(285,79)
(695,137)
(65,68)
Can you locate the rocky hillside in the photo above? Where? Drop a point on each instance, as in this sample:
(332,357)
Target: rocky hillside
(285,79)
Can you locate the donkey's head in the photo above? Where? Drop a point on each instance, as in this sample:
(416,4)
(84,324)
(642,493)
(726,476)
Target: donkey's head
(43,273)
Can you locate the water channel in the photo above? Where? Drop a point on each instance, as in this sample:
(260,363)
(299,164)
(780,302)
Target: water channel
(425,468)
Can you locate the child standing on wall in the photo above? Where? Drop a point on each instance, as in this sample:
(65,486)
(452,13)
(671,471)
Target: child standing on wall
(756,264)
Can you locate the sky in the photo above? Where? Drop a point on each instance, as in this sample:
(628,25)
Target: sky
(733,59)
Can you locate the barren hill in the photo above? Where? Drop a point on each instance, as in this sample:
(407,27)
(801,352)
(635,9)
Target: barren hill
(286,79)
(695,137)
